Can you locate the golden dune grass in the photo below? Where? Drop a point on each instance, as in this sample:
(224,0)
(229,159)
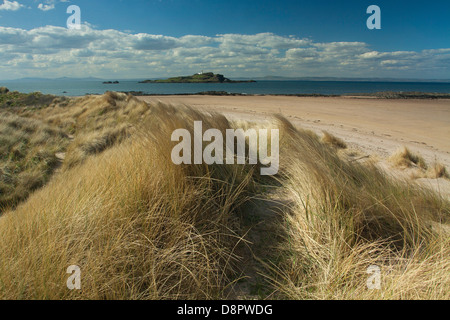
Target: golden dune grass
(437,170)
(27,156)
(333,141)
(404,158)
(345,217)
(140,227)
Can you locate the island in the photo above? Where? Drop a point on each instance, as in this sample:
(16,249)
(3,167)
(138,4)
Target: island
(208,77)
(111,82)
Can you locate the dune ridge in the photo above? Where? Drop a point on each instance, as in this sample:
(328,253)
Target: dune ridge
(141,227)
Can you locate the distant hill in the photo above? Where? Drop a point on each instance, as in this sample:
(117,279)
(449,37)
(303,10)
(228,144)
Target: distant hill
(53,79)
(280,78)
(208,77)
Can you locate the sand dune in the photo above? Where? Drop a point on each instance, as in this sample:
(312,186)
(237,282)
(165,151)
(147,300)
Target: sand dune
(376,127)
(141,227)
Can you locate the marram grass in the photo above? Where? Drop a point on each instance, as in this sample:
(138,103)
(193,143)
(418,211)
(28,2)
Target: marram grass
(140,227)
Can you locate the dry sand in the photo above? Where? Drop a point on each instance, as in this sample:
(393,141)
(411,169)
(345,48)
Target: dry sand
(375,127)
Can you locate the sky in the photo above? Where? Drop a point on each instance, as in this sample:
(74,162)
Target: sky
(238,38)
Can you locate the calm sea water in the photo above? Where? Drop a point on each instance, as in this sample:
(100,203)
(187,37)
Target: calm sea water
(77,88)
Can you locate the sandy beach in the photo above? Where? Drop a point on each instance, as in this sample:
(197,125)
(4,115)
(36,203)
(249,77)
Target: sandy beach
(375,127)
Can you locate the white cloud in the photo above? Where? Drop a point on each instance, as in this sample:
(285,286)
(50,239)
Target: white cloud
(49,4)
(46,7)
(143,41)
(55,51)
(267,40)
(296,53)
(10,5)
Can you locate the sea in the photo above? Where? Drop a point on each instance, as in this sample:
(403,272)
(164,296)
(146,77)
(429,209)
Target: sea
(79,88)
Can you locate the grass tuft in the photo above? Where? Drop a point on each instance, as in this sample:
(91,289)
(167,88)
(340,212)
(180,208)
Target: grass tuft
(333,141)
(404,158)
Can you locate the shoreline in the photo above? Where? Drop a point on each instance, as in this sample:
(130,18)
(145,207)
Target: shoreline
(416,119)
(376,95)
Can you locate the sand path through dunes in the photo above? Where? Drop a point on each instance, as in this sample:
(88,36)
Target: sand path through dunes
(370,125)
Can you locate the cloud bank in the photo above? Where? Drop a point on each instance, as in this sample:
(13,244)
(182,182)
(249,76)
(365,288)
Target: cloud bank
(52,51)
(10,5)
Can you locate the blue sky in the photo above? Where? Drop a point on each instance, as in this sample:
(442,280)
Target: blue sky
(153,38)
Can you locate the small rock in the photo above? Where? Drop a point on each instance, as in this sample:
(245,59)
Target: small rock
(60,156)
(4,90)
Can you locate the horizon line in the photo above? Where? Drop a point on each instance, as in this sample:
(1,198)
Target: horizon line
(281,78)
